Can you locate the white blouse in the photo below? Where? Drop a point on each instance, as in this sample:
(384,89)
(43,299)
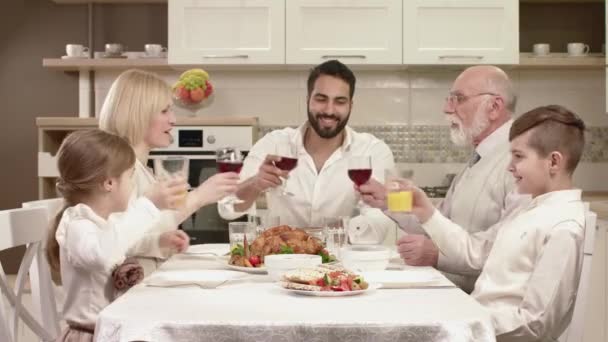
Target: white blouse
(90,247)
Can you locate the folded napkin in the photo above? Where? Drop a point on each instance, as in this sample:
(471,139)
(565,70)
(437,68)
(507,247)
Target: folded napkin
(408,278)
(201,278)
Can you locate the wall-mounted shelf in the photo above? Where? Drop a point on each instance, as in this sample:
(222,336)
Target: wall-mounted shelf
(527,61)
(76,2)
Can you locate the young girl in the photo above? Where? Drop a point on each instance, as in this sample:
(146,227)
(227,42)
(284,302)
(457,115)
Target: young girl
(90,237)
(138,108)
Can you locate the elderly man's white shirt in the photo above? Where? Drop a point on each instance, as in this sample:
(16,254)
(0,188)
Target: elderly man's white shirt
(531,263)
(327,193)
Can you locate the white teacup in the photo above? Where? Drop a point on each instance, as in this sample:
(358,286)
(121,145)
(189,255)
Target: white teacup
(114,49)
(541,49)
(578,49)
(154,50)
(76,50)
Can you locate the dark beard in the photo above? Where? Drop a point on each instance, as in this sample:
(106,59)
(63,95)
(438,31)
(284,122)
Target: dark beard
(327,133)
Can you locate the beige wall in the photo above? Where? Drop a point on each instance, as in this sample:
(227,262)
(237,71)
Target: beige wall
(29,31)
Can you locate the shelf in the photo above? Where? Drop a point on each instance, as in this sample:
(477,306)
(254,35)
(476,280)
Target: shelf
(527,61)
(63,123)
(78,2)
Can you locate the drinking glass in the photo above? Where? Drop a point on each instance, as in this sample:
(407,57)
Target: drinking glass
(237,231)
(229,159)
(335,234)
(398,201)
(166,168)
(289,160)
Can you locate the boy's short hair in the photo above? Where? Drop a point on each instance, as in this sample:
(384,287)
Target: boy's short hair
(332,68)
(555,129)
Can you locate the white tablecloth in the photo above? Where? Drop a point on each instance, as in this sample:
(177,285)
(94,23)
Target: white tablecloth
(261,311)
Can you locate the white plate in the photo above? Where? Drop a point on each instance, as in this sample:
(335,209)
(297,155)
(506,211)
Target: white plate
(185,277)
(372,287)
(254,270)
(401,279)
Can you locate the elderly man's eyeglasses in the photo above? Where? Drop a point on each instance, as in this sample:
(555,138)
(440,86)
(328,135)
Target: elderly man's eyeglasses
(456,98)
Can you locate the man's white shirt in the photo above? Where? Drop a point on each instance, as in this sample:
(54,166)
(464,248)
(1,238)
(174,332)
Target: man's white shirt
(323,194)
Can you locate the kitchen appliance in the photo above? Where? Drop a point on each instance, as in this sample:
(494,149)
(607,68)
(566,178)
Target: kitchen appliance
(198,144)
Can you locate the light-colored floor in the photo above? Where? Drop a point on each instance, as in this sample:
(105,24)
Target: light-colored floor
(25,334)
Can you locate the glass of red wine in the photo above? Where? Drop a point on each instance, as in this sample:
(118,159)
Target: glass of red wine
(289,160)
(229,159)
(360,171)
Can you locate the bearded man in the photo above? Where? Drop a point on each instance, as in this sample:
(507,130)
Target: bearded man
(479,108)
(319,187)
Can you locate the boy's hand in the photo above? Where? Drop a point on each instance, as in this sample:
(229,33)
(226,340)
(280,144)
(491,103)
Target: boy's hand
(175,240)
(422,207)
(168,194)
(216,187)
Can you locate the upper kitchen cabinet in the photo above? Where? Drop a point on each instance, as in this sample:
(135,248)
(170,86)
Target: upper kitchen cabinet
(226,32)
(460,32)
(353,31)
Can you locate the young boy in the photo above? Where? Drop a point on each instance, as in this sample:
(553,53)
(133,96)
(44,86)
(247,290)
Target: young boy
(530,261)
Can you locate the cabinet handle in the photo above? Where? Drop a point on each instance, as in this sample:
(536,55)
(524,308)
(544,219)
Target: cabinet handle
(460,56)
(226,56)
(344,56)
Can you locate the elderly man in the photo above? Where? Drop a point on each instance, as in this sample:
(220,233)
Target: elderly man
(479,108)
(319,187)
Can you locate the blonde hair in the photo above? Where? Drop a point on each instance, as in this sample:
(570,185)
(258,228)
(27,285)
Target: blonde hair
(85,160)
(135,96)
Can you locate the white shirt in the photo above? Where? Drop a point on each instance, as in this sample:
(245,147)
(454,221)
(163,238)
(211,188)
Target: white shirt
(328,193)
(89,248)
(482,194)
(531,263)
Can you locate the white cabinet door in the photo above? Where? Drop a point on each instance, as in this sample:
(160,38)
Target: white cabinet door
(460,32)
(353,31)
(226,32)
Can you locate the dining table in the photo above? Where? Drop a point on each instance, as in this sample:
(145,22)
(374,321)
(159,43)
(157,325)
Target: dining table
(239,306)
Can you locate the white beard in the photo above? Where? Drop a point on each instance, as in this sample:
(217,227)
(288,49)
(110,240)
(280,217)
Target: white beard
(462,136)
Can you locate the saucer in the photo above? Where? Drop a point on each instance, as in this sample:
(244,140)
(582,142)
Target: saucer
(105,55)
(74,57)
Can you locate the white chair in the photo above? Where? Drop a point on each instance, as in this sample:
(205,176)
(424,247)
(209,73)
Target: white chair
(18,227)
(574,332)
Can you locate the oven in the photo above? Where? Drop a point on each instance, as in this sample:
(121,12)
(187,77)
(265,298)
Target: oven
(198,144)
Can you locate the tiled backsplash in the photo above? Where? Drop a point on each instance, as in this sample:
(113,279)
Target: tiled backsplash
(404,108)
(431,144)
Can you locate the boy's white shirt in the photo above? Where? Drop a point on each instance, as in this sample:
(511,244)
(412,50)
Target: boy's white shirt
(531,264)
(90,248)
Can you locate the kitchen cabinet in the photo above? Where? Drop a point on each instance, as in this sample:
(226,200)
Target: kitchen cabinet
(226,32)
(353,31)
(460,32)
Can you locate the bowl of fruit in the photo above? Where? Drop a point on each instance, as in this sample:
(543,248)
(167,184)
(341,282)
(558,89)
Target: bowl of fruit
(193,90)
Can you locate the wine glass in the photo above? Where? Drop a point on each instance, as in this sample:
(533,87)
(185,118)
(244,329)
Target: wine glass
(169,167)
(360,171)
(229,159)
(289,160)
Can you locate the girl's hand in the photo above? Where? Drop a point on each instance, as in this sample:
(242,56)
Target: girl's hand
(175,240)
(216,187)
(168,194)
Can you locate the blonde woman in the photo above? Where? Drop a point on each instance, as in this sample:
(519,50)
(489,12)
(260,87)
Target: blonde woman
(138,108)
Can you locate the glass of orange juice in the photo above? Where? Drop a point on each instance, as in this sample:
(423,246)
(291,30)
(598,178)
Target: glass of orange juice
(171,167)
(398,200)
